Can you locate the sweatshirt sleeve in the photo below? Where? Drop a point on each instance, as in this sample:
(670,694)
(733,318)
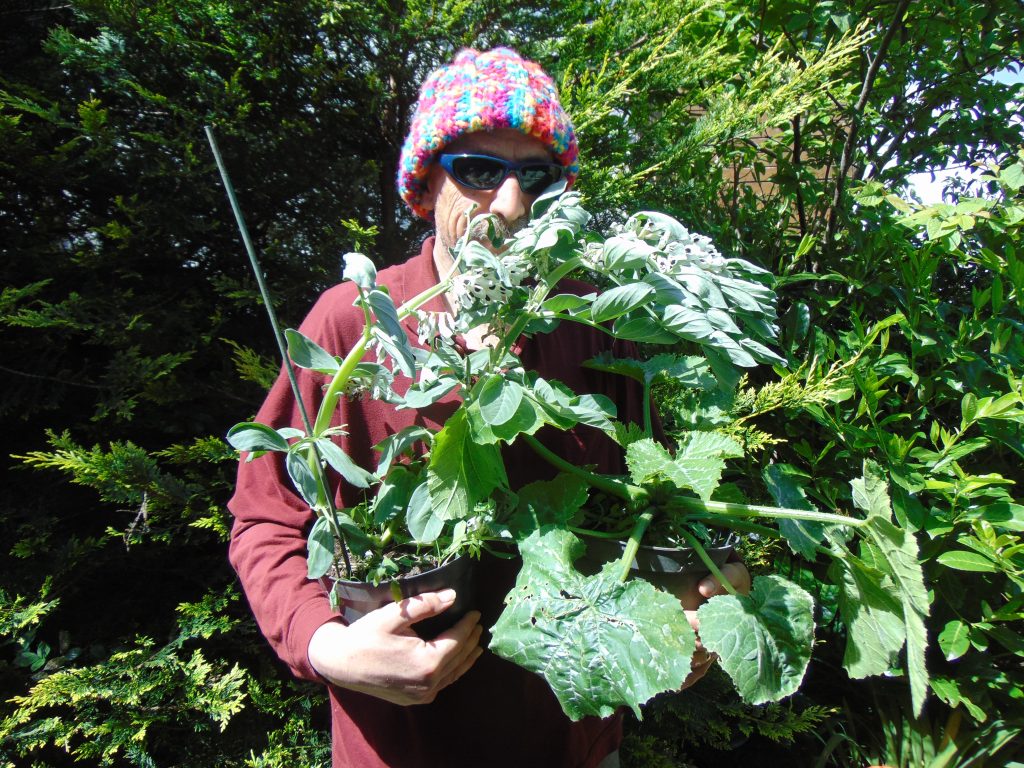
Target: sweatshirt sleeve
(268,539)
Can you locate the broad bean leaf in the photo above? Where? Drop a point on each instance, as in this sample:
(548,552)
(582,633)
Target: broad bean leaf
(394,494)
(784,486)
(697,465)
(306,353)
(499,399)
(302,476)
(342,464)
(424,526)
(418,396)
(619,300)
(393,446)
(594,411)
(255,437)
(641,328)
(600,643)
(359,270)
(567,302)
(763,639)
(319,548)
(528,418)
(461,471)
(389,332)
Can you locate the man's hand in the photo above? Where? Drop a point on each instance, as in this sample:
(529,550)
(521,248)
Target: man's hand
(739,577)
(380,655)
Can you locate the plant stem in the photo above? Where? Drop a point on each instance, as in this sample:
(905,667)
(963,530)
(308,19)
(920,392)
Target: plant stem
(632,494)
(703,555)
(730,509)
(633,545)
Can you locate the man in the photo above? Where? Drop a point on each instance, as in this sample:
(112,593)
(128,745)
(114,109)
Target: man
(397,700)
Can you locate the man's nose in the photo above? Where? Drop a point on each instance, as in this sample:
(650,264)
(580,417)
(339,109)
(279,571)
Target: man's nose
(509,201)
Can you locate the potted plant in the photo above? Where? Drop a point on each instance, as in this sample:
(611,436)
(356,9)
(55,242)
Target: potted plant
(602,640)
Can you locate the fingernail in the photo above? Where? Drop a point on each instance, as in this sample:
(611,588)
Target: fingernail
(446,595)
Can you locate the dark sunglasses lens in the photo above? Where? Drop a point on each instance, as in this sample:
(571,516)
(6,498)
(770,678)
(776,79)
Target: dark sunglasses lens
(534,179)
(478,172)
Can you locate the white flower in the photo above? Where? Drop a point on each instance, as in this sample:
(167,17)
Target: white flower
(693,250)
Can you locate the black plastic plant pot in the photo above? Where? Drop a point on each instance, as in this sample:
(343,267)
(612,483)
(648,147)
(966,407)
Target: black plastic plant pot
(675,570)
(359,598)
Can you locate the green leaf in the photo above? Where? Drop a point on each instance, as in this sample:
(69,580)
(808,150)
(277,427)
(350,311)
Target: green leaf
(253,436)
(397,349)
(389,332)
(697,466)
(424,526)
(527,419)
(619,300)
(548,502)
(873,616)
(763,639)
(306,353)
(871,492)
(359,270)
(784,486)
(302,477)
(462,471)
(343,464)
(600,643)
(964,560)
(564,302)
(393,446)
(499,399)
(418,397)
(642,328)
(900,560)
(319,548)
(394,494)
(954,640)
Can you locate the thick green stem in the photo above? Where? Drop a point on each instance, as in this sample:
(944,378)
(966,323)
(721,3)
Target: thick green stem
(729,509)
(632,494)
(633,544)
(703,555)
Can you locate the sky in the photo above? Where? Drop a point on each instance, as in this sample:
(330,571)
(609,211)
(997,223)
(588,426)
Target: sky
(929,189)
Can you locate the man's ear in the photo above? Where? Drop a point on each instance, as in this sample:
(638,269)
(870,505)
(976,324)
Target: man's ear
(434,182)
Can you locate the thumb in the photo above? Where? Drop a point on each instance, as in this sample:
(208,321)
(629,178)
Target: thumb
(406,612)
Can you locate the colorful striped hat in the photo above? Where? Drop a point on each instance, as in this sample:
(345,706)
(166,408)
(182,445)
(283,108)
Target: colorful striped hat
(481,91)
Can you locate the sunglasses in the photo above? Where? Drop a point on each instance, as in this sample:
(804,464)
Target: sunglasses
(486,172)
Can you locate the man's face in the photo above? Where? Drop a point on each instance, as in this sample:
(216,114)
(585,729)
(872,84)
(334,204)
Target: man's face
(449,200)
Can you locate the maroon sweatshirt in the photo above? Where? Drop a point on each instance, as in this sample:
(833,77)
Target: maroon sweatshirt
(497,714)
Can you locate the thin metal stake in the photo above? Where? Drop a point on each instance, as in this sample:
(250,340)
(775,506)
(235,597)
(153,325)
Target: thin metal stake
(264,292)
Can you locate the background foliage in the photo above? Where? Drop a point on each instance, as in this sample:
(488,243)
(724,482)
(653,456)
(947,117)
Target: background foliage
(132,337)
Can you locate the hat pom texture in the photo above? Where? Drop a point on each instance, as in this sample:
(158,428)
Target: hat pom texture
(482,91)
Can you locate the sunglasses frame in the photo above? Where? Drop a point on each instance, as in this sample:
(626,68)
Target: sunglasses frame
(447,161)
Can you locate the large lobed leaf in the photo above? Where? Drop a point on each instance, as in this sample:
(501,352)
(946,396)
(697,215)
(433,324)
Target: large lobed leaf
(697,465)
(600,643)
(763,639)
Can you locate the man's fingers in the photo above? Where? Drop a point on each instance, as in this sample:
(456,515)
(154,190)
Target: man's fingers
(400,615)
(735,573)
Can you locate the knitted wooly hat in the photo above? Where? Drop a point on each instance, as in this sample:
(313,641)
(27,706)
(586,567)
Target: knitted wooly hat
(482,91)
